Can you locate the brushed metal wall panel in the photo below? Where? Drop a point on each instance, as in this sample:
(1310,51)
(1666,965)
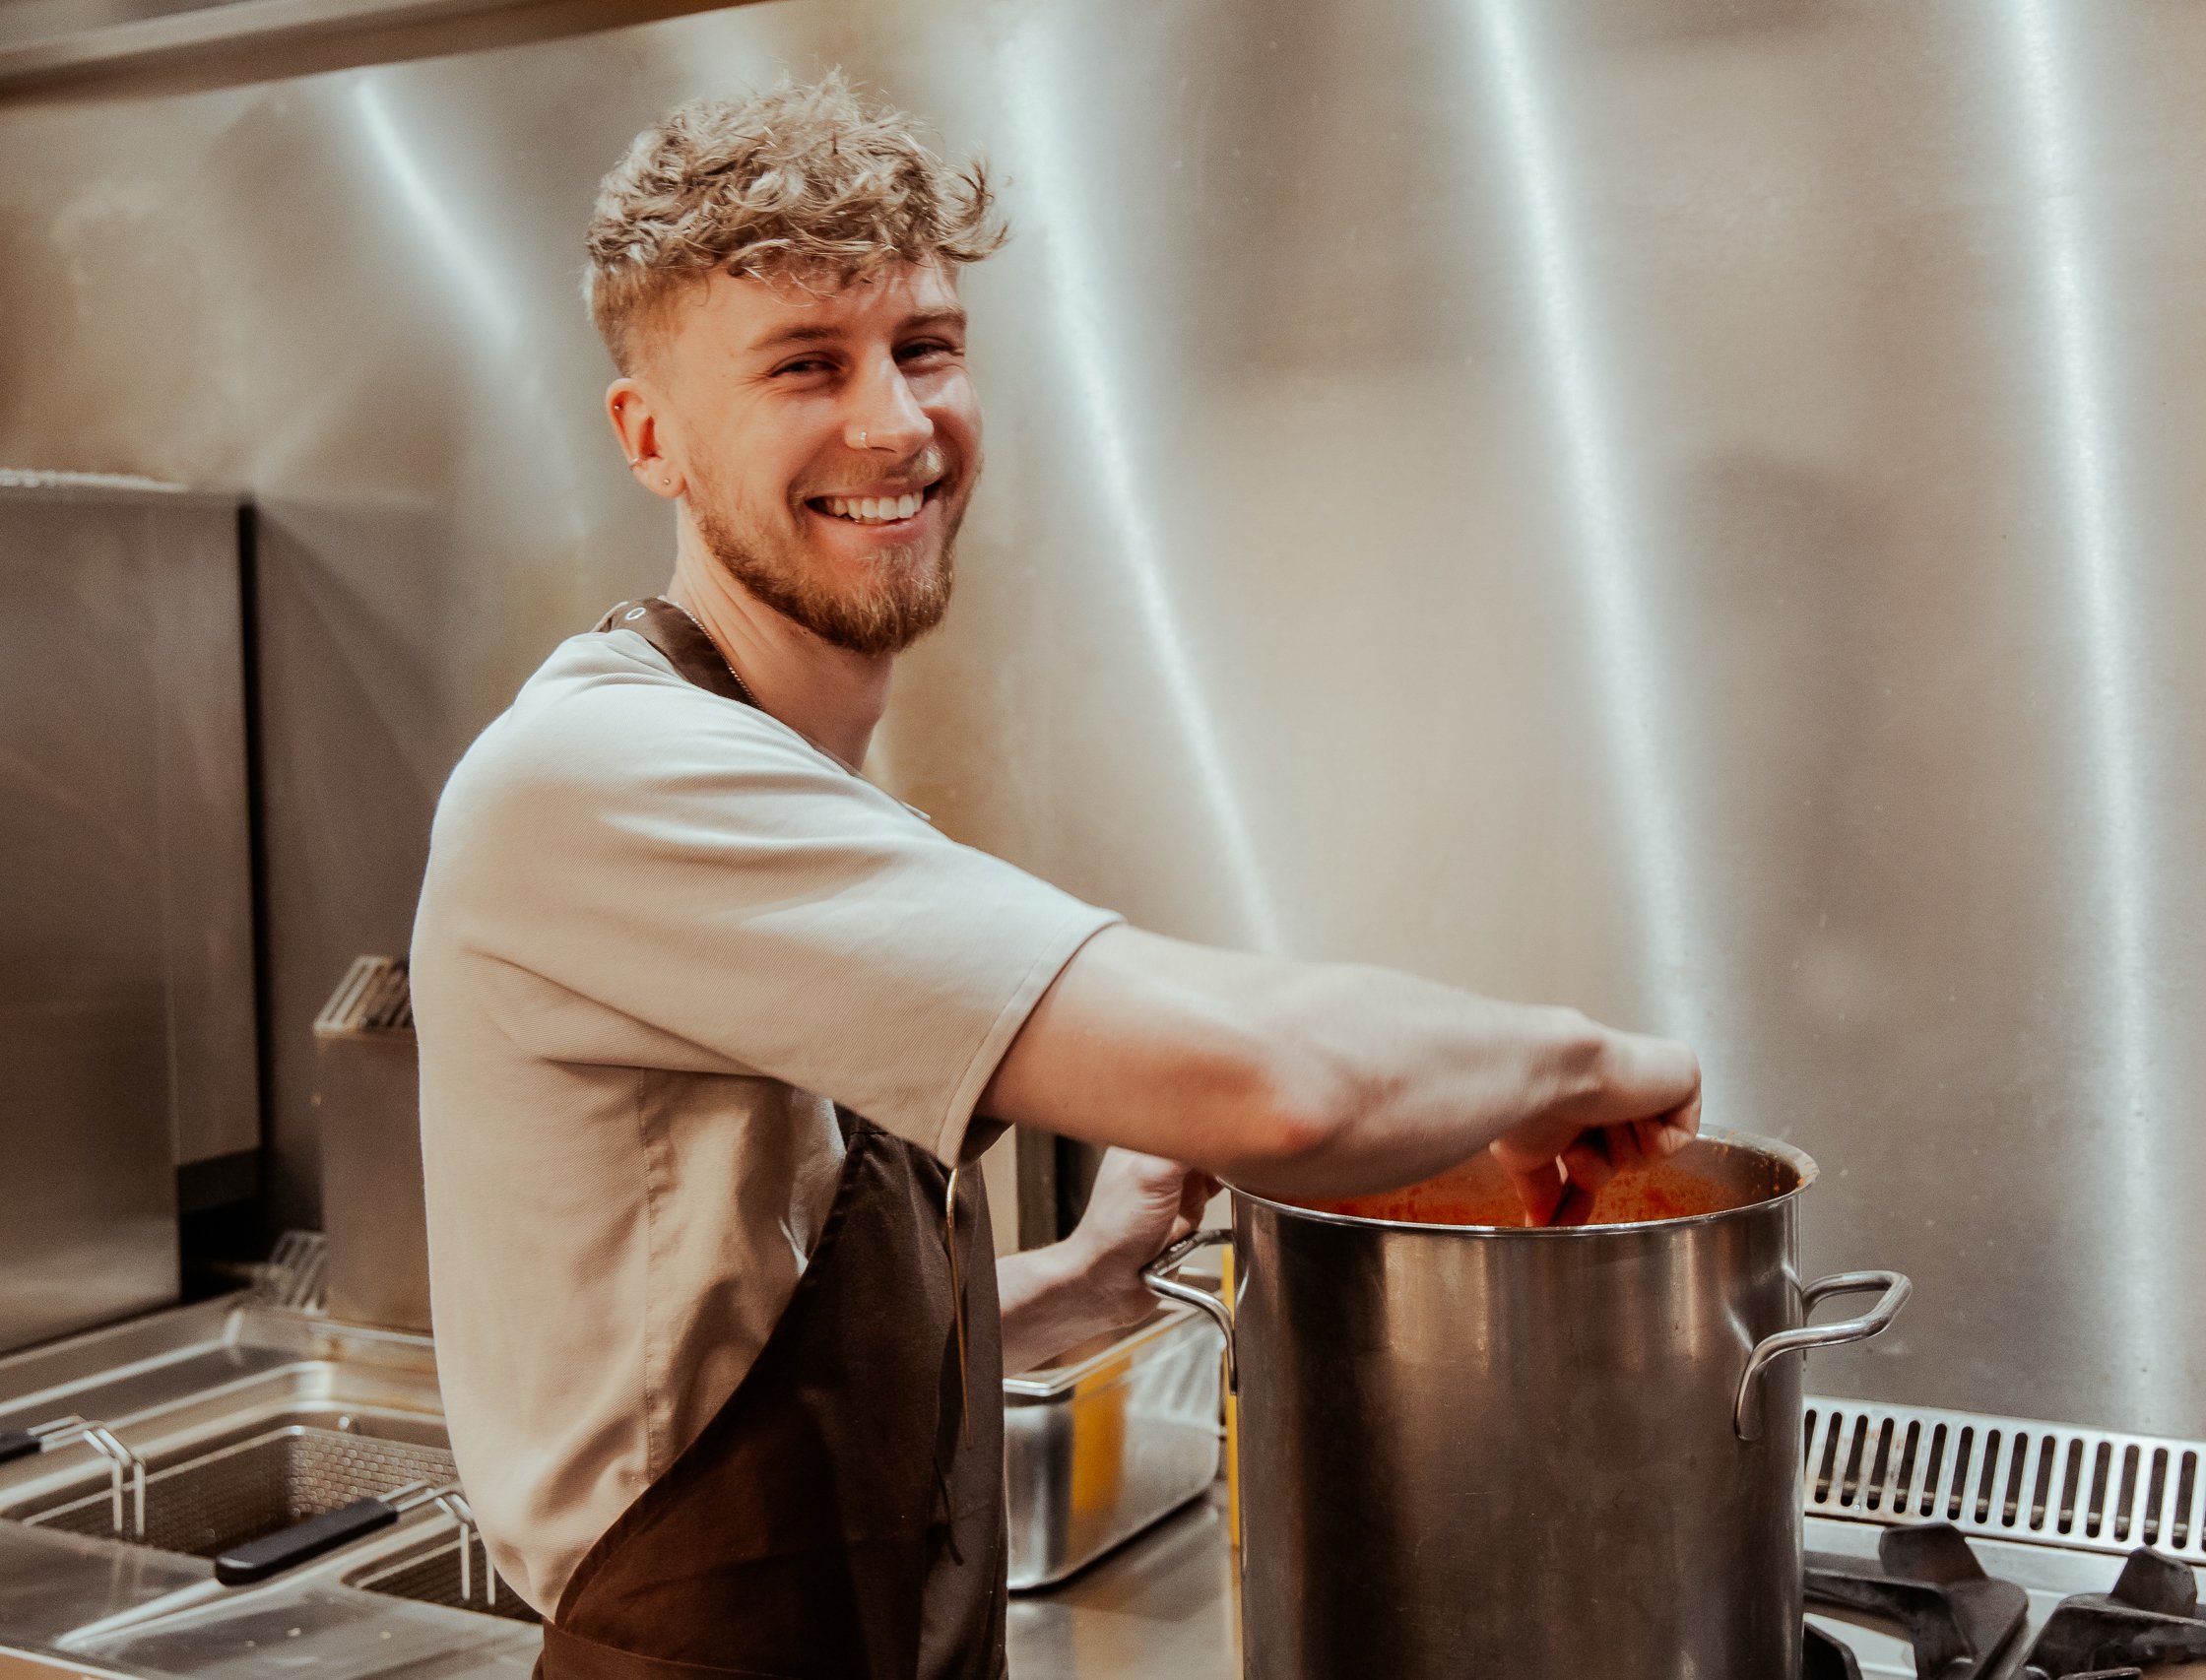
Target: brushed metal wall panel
(127,1039)
(1681,508)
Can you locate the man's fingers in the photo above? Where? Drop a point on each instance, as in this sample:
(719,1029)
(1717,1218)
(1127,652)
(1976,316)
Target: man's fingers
(1665,1134)
(1626,1150)
(1196,1190)
(1686,1119)
(1664,1140)
(1538,1188)
(1576,1208)
(1586,1164)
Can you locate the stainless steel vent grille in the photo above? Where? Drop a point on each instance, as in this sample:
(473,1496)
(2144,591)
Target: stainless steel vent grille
(2007,1478)
(374,997)
(296,1275)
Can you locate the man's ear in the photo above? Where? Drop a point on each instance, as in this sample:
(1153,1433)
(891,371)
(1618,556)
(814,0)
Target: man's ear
(628,406)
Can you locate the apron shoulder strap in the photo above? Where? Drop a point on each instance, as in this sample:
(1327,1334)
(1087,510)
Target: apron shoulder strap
(692,654)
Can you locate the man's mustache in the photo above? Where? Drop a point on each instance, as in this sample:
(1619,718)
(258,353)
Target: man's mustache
(929,466)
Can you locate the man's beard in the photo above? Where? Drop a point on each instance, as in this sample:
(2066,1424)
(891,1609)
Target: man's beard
(904,598)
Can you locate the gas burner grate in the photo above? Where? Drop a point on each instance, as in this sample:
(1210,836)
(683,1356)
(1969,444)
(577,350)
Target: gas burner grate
(1927,1583)
(2005,1479)
(2147,1625)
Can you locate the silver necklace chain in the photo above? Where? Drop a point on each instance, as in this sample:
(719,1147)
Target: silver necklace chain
(742,687)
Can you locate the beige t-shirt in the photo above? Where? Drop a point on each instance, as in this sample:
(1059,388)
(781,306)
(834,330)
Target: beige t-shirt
(660,937)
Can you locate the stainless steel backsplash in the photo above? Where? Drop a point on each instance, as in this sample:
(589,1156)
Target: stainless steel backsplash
(1679,508)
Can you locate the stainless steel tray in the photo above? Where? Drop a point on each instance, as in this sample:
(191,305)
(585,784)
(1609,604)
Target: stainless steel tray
(1099,1446)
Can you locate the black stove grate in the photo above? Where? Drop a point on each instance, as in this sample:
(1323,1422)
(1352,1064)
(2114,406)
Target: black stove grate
(1927,1585)
(1926,1582)
(1827,1659)
(2149,1620)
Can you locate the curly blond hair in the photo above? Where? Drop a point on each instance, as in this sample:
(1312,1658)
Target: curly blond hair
(804,181)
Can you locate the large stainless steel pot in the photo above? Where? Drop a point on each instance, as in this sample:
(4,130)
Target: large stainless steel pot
(1558,1453)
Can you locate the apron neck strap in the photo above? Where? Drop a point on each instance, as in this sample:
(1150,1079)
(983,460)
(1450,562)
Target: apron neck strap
(694,655)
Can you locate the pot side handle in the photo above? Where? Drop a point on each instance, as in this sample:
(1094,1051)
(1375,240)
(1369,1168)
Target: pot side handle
(1746,1413)
(1157,1274)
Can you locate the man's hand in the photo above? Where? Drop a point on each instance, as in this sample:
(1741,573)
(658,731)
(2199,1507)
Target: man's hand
(1091,1282)
(1559,1160)
(1140,1205)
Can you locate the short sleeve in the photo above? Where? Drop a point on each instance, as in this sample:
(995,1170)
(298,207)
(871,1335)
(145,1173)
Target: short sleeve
(641,871)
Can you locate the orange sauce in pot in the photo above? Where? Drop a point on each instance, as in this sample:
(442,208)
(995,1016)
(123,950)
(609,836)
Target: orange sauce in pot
(1478,1192)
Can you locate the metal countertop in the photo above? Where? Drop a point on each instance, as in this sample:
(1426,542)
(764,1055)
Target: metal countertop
(1163,1607)
(1163,1604)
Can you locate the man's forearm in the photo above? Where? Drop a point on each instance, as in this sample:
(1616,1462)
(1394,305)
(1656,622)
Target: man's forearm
(1317,1078)
(1050,1304)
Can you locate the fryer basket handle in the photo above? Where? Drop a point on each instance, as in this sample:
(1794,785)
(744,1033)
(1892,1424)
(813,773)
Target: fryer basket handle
(1746,1411)
(257,1560)
(1157,1274)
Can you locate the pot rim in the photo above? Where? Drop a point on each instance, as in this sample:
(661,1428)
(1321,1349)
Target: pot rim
(1799,1160)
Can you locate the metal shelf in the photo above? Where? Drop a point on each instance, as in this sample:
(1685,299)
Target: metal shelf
(44,42)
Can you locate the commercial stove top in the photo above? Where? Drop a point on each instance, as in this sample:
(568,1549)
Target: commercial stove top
(1962,1546)
(1928,1606)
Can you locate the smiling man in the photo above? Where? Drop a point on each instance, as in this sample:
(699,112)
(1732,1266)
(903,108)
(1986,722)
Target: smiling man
(709,1022)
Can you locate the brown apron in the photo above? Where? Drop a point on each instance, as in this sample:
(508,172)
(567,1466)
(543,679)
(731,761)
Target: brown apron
(841,1517)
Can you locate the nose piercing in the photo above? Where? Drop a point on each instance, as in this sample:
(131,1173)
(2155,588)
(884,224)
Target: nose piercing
(861,440)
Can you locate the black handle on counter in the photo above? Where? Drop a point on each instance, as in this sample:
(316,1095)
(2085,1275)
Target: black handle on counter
(257,1560)
(18,1444)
